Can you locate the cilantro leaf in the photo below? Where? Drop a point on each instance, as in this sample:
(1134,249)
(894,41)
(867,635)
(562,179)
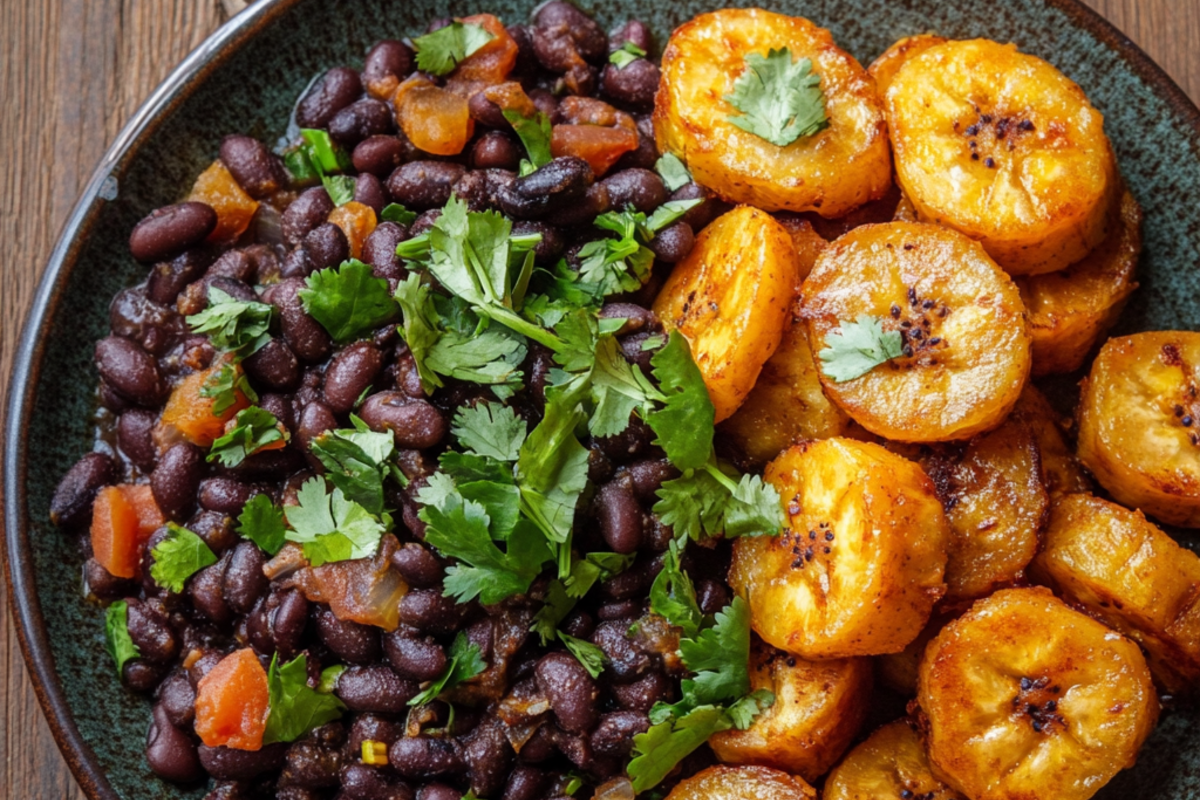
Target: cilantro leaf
(621,264)
(116,635)
(562,595)
(709,501)
(589,656)
(254,429)
(329,527)
(658,750)
(356,461)
(534,133)
(856,348)
(684,425)
(340,188)
(754,509)
(349,301)
(237,326)
(466,661)
(438,53)
(673,171)
(420,327)
(625,55)
(669,212)
(490,430)
(720,655)
(323,153)
(262,523)
(224,385)
(672,595)
(780,100)
(618,388)
(398,213)
(492,357)
(743,712)
(295,707)
(178,557)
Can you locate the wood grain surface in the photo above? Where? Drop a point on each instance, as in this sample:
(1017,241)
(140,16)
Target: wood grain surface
(72,72)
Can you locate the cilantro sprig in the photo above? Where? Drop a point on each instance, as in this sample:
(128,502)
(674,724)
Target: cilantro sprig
(349,301)
(253,430)
(780,99)
(625,55)
(178,557)
(534,133)
(224,385)
(465,662)
(318,157)
(295,707)
(262,523)
(329,527)
(116,635)
(673,171)
(356,461)
(438,53)
(858,347)
(622,264)
(232,325)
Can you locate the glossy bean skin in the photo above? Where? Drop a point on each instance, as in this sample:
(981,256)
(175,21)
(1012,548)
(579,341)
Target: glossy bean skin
(335,90)
(142,676)
(206,591)
(225,495)
(424,757)
(641,694)
(130,370)
(416,424)
(103,585)
(378,155)
(417,564)
(412,656)
(429,611)
(303,334)
(633,31)
(626,662)
(486,112)
(168,278)
(424,184)
(564,178)
(227,764)
(308,765)
(649,476)
(672,244)
(379,250)
(619,515)
(571,690)
(548,250)
(315,419)
(495,150)
(641,189)
(71,505)
(360,782)
(369,191)
(177,696)
(633,85)
(524,783)
(350,642)
(375,688)
(326,246)
(350,373)
(176,479)
(273,367)
(244,581)
(167,232)
(256,169)
(360,119)
(170,752)
(287,622)
(637,318)
(614,735)
(306,212)
(489,757)
(387,59)
(215,529)
(151,631)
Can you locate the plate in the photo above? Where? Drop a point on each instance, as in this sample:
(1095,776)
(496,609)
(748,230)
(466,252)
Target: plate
(246,77)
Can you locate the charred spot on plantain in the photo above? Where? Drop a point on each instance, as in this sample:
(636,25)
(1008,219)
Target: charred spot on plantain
(1038,701)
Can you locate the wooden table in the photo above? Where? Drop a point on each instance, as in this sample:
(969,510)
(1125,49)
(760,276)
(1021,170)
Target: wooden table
(72,73)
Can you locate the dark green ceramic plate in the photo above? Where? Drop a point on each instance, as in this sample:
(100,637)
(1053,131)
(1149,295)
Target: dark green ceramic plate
(245,79)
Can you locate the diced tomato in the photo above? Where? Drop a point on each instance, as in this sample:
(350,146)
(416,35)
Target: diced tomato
(123,518)
(599,146)
(217,187)
(356,221)
(188,415)
(232,703)
(489,64)
(434,119)
(511,96)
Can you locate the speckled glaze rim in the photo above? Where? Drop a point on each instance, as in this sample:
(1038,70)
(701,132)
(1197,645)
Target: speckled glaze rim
(191,73)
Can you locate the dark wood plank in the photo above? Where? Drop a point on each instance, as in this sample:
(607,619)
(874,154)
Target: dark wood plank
(73,71)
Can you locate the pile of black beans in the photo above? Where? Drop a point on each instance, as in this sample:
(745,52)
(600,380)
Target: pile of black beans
(536,725)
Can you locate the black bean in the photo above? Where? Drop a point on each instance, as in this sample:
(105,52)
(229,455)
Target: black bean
(206,591)
(216,529)
(649,476)
(168,278)
(151,631)
(489,756)
(375,688)
(628,445)
(350,373)
(623,610)
(424,184)
(256,169)
(387,59)
(170,752)
(310,765)
(350,641)
(416,424)
(360,119)
(203,665)
(130,370)
(177,697)
(168,231)
(102,584)
(626,662)
(549,248)
(524,783)
(637,318)
(563,178)
(418,565)
(109,398)
(571,690)
(315,419)
(176,478)
(614,735)
(575,747)
(700,215)
(633,85)
(595,202)
(429,611)
(495,150)
(306,212)
(335,90)
(274,366)
(194,298)
(619,515)
(711,596)
(645,155)
(424,757)
(559,18)
(303,334)
(375,728)
(672,244)
(379,250)
(244,578)
(297,264)
(378,155)
(369,191)
(287,622)
(640,188)
(227,764)
(155,327)
(232,264)
(633,31)
(225,495)
(299,793)
(412,656)
(485,111)
(142,676)
(326,246)
(540,746)
(642,693)
(360,782)
(71,505)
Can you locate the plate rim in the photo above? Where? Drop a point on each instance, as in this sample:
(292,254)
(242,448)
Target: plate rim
(179,85)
